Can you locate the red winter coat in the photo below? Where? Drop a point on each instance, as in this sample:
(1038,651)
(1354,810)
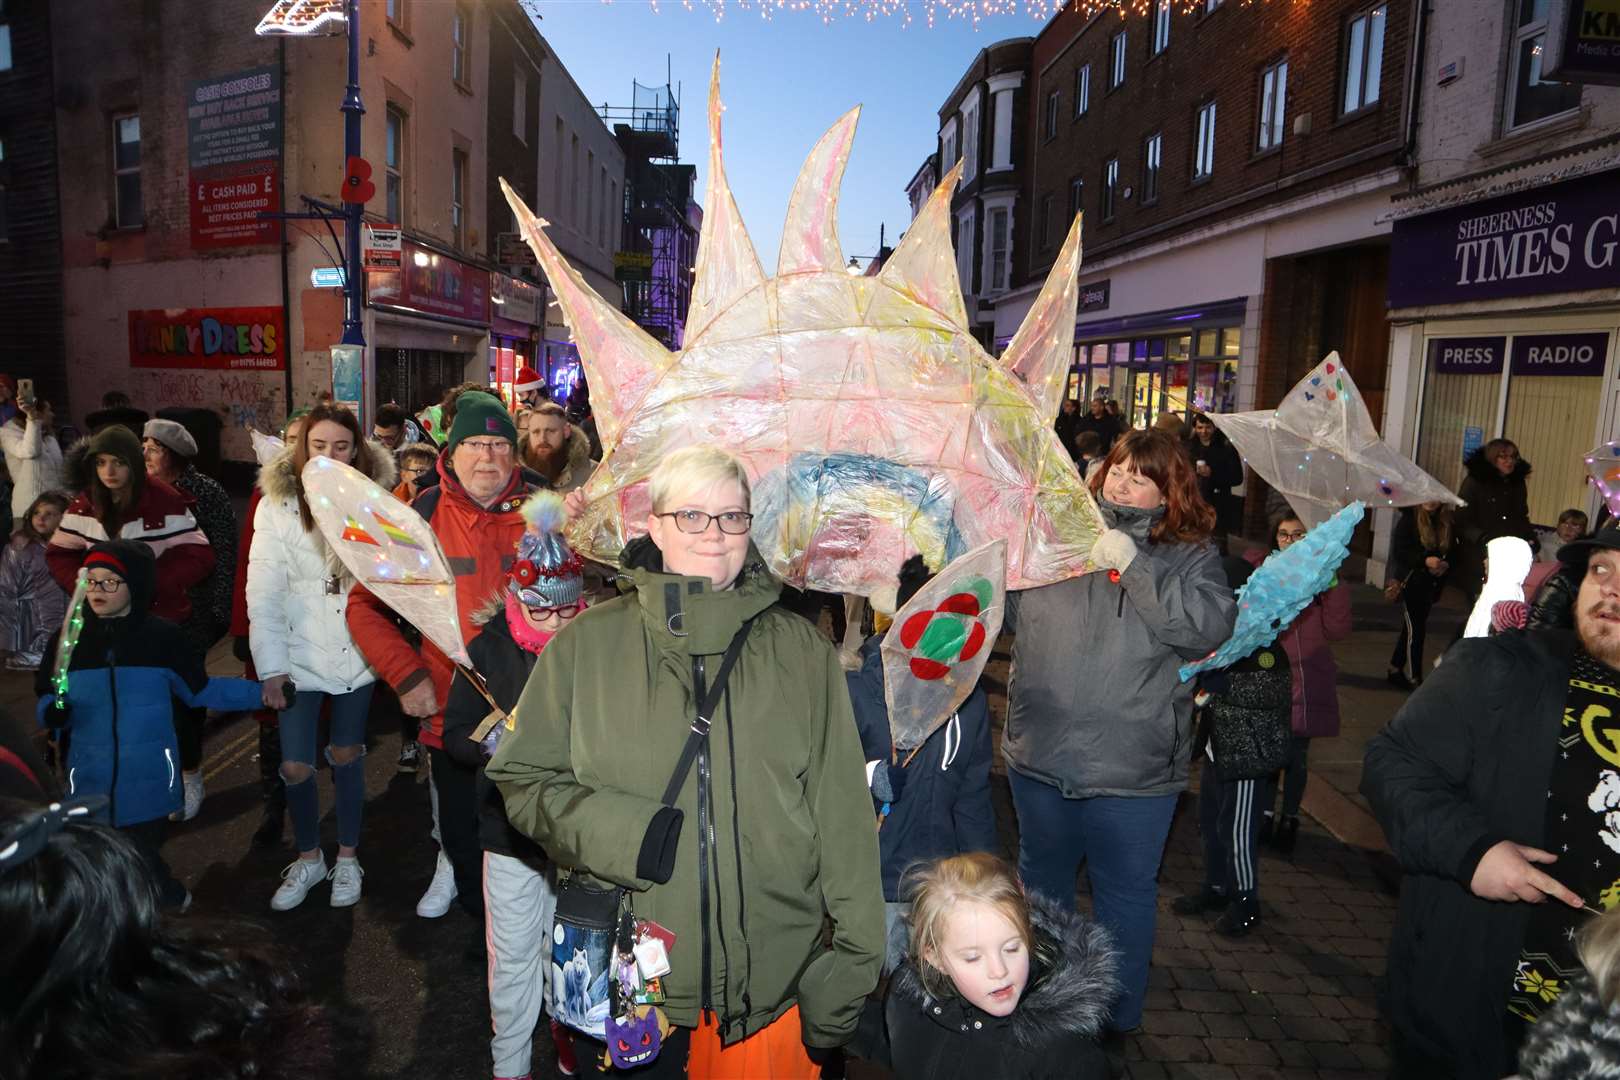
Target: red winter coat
(1316,674)
(480,544)
(162,520)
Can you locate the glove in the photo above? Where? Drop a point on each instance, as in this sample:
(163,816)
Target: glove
(1114,550)
(887,783)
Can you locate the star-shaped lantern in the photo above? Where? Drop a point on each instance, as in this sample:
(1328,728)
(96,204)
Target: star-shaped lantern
(872,424)
(1320,449)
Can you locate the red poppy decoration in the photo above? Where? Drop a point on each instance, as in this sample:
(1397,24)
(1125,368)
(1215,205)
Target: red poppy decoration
(525,573)
(1113,575)
(357,185)
(943,636)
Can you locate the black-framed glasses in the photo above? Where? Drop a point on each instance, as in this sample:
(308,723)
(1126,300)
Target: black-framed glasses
(108,585)
(695,522)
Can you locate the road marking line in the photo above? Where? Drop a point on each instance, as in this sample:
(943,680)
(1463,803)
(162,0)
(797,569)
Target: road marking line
(231,754)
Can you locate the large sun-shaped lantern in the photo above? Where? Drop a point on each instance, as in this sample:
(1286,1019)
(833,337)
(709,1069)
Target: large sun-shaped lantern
(872,424)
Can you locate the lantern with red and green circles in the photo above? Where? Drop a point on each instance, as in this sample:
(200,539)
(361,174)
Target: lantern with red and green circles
(940,641)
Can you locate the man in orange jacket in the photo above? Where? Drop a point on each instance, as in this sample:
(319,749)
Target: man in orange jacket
(475,509)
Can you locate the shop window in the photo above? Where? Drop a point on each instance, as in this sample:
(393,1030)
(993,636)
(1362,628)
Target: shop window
(129,211)
(1161,26)
(394,166)
(1152,154)
(1204,155)
(1364,59)
(1116,63)
(1530,98)
(1273,105)
(1082,90)
(1459,411)
(1553,419)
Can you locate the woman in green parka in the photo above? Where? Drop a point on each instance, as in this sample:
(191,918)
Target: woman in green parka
(783,838)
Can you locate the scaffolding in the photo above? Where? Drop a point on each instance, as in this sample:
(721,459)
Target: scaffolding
(658,246)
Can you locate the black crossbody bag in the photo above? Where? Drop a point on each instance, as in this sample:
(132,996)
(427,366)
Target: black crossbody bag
(588,915)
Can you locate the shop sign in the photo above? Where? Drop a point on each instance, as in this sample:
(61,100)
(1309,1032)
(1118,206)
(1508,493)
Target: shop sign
(383,247)
(514,299)
(214,339)
(632,266)
(511,250)
(1552,239)
(1559,354)
(1094,295)
(1467,355)
(1473,439)
(1584,42)
(233,141)
(432,284)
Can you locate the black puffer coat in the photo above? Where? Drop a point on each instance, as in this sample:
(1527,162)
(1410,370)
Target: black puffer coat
(1225,473)
(1051,1035)
(1497,506)
(1465,764)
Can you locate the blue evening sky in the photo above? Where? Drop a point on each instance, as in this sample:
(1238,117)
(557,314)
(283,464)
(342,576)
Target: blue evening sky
(784,82)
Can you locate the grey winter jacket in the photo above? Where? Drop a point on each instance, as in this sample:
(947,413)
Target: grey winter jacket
(1096,705)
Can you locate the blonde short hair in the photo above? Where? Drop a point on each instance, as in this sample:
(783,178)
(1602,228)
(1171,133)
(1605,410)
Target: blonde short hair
(937,888)
(694,468)
(1599,949)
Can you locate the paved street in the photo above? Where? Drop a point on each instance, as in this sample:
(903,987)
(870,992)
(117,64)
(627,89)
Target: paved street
(1297,999)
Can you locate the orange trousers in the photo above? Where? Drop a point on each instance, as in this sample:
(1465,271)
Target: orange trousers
(775,1053)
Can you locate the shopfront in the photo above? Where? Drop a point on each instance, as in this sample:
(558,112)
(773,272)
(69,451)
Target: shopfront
(1507,310)
(514,330)
(429,326)
(1181,361)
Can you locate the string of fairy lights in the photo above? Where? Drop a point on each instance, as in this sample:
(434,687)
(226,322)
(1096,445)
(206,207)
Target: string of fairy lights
(932,11)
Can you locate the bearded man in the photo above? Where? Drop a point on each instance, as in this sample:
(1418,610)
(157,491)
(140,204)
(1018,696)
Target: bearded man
(1498,787)
(559,451)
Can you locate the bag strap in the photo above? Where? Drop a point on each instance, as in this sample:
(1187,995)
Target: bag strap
(706,707)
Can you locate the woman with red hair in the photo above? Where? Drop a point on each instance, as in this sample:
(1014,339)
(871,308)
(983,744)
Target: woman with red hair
(1099,731)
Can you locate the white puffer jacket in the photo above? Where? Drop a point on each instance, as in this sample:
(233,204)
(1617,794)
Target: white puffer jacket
(298,591)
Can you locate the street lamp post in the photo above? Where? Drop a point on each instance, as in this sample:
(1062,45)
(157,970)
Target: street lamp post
(353,110)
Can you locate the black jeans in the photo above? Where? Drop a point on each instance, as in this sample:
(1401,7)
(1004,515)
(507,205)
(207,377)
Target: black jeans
(1295,773)
(458,827)
(148,837)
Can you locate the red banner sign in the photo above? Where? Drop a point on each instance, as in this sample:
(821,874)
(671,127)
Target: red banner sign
(226,201)
(432,284)
(215,339)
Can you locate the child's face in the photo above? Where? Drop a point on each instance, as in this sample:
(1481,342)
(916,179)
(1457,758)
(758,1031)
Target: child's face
(45,520)
(112,471)
(985,956)
(1571,530)
(547,620)
(108,604)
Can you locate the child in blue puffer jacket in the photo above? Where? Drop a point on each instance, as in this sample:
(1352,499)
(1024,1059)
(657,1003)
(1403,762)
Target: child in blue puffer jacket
(939,796)
(123,676)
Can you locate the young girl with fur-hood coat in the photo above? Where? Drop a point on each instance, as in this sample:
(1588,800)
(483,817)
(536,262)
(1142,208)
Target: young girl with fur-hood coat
(999,983)
(297,600)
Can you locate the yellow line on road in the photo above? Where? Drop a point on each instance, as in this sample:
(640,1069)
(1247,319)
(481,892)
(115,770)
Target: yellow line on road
(232,753)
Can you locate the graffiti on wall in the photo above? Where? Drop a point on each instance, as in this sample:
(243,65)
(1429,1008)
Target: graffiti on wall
(242,400)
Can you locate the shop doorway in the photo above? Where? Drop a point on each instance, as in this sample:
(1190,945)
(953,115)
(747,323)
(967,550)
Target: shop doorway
(417,378)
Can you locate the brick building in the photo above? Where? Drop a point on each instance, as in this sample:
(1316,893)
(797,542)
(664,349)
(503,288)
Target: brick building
(1234,164)
(983,125)
(1504,294)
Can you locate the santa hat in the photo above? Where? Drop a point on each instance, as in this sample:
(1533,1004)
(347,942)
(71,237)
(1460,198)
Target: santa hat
(528,379)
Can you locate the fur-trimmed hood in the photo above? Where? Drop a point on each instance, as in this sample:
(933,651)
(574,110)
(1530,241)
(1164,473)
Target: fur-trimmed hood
(79,460)
(278,481)
(1577,1038)
(1484,470)
(1074,982)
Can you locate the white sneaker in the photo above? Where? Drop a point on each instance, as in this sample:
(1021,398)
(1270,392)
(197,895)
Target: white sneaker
(441,893)
(300,876)
(193,784)
(345,878)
